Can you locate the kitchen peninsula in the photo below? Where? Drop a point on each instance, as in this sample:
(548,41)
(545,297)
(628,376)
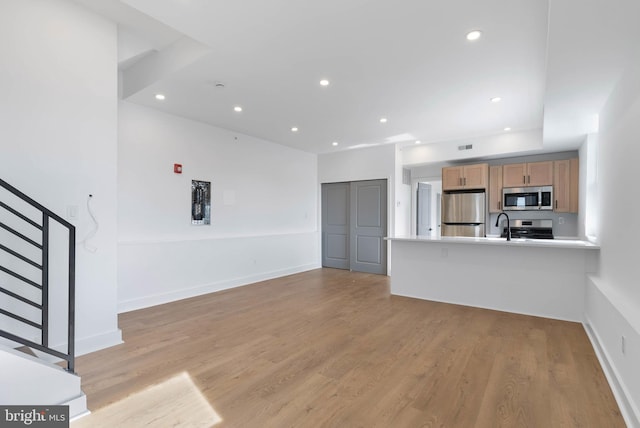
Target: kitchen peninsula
(534,277)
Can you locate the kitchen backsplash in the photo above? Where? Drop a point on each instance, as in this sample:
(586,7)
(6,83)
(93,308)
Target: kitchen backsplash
(568,228)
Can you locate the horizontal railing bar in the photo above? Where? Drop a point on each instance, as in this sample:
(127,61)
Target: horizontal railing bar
(20,256)
(20,277)
(20,235)
(34,345)
(19,318)
(21,298)
(33,203)
(47,214)
(22,216)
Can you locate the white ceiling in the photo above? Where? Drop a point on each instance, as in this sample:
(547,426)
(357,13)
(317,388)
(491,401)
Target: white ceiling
(407,61)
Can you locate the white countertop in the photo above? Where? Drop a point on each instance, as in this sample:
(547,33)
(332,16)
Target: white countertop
(516,242)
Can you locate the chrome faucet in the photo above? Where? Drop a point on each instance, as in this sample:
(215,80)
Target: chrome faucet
(508,225)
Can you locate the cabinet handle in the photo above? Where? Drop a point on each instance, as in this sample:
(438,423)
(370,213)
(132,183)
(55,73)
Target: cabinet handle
(460,181)
(556,204)
(528,179)
(524,179)
(465,181)
(499,205)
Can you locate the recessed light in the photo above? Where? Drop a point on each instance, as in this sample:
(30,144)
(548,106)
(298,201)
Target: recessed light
(507,129)
(335,143)
(474,35)
(496,99)
(418,141)
(237,109)
(324,82)
(383,120)
(160,97)
(294,129)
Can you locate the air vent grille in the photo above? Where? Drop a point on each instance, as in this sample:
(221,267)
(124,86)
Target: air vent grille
(406,176)
(466,147)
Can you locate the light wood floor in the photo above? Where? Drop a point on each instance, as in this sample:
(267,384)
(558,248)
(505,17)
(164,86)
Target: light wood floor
(333,348)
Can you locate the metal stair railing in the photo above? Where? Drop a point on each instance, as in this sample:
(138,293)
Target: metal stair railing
(42,228)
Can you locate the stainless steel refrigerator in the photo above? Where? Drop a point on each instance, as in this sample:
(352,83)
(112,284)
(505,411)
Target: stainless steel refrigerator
(463,213)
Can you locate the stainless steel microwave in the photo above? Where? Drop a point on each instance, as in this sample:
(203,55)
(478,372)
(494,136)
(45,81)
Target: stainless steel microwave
(527,198)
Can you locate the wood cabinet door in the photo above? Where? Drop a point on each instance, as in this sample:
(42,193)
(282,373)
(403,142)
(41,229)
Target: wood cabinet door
(452,178)
(495,189)
(476,176)
(565,186)
(514,175)
(540,174)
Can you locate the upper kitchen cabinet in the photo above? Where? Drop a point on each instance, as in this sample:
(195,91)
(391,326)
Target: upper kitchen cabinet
(465,177)
(528,174)
(565,186)
(495,189)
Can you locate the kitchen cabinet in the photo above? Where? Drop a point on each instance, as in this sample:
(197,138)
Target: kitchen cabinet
(495,189)
(465,177)
(565,186)
(528,174)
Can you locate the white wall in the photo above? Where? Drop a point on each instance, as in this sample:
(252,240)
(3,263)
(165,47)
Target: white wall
(493,145)
(264,209)
(402,206)
(588,185)
(354,165)
(59,137)
(613,297)
(494,276)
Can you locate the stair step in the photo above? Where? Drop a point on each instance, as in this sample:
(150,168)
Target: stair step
(26,350)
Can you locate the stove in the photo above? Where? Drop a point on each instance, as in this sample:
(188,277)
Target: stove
(534,229)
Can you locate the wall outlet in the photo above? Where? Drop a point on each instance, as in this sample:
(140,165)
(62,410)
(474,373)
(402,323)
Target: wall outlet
(623,345)
(561,220)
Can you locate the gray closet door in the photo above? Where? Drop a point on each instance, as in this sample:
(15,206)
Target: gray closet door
(335,225)
(369,226)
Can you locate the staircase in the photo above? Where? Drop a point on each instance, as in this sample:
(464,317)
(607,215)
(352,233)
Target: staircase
(37,305)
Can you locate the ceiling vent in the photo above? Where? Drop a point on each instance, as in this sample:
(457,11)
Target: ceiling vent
(466,147)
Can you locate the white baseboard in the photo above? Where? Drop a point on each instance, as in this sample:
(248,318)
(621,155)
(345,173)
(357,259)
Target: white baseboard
(608,317)
(620,393)
(159,299)
(86,345)
(77,407)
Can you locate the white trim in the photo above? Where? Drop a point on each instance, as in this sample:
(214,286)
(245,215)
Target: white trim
(623,305)
(158,299)
(83,345)
(86,345)
(629,413)
(171,240)
(608,314)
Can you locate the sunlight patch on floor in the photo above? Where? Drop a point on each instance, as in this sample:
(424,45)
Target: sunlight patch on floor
(176,402)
